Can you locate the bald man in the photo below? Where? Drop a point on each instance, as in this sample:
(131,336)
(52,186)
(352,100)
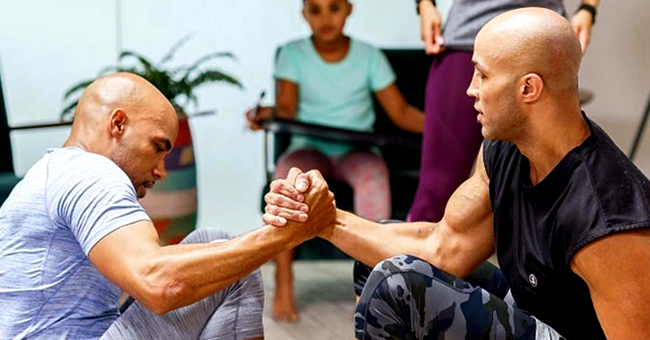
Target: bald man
(565,210)
(72,234)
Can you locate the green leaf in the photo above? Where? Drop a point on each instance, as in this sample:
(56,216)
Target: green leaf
(172,51)
(177,83)
(75,88)
(147,66)
(205,58)
(68,111)
(214,76)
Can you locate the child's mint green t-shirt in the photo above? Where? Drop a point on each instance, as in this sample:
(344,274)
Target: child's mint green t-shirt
(334,94)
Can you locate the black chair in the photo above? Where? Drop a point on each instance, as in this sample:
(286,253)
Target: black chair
(400,149)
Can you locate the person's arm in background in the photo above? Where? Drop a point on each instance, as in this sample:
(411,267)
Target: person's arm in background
(583,20)
(430,26)
(286,103)
(401,113)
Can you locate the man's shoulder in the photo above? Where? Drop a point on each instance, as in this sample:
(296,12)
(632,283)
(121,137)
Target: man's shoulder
(74,168)
(607,163)
(618,185)
(76,160)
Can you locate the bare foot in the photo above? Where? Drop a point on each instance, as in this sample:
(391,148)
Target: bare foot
(284,307)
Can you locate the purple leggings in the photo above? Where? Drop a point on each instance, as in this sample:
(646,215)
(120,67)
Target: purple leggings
(452,137)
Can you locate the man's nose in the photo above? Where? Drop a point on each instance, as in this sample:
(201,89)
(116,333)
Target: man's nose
(159,173)
(472,90)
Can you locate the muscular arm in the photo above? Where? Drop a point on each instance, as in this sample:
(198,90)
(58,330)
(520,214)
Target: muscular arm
(457,244)
(615,269)
(165,278)
(399,111)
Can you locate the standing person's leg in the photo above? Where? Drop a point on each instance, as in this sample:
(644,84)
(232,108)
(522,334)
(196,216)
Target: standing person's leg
(367,174)
(233,313)
(284,306)
(451,138)
(408,298)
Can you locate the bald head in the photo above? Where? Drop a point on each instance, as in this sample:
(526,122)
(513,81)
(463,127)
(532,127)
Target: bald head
(119,90)
(535,40)
(120,95)
(126,119)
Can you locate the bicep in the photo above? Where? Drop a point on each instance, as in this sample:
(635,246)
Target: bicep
(614,268)
(122,255)
(465,236)
(286,100)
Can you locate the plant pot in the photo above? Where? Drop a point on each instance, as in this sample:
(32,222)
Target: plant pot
(172,203)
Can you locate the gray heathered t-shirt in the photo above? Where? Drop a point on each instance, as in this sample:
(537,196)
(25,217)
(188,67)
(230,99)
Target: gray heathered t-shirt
(66,203)
(467,17)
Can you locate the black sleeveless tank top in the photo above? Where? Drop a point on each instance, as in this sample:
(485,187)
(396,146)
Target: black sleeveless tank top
(594,191)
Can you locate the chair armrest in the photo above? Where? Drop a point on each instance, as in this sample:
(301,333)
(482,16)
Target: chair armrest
(284,126)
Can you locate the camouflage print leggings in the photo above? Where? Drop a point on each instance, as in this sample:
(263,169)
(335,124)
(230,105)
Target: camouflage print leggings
(407,298)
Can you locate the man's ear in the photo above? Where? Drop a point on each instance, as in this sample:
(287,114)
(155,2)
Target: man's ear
(532,86)
(118,120)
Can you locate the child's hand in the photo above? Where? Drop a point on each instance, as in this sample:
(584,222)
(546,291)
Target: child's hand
(431,28)
(256,115)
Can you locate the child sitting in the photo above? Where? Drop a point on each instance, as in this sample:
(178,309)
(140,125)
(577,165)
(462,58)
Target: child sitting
(329,79)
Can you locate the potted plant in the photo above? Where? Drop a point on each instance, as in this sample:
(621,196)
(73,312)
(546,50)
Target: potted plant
(171,204)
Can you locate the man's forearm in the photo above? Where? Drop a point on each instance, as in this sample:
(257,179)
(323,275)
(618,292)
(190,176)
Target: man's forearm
(203,269)
(371,242)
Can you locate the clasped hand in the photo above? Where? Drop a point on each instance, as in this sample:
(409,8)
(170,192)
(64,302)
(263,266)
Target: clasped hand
(302,202)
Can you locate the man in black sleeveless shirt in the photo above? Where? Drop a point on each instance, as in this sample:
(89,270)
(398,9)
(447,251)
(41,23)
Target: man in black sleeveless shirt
(565,210)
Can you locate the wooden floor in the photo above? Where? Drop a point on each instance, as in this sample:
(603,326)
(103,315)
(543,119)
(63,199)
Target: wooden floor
(324,298)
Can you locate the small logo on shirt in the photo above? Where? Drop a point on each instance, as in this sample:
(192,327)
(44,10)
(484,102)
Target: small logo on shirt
(532,279)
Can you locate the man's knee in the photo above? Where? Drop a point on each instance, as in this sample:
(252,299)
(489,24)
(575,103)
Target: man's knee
(254,284)
(396,275)
(404,294)
(394,285)
(401,280)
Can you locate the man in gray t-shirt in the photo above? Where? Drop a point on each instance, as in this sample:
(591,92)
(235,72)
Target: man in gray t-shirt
(72,234)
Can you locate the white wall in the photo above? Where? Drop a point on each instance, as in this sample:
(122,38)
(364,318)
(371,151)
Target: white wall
(46,46)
